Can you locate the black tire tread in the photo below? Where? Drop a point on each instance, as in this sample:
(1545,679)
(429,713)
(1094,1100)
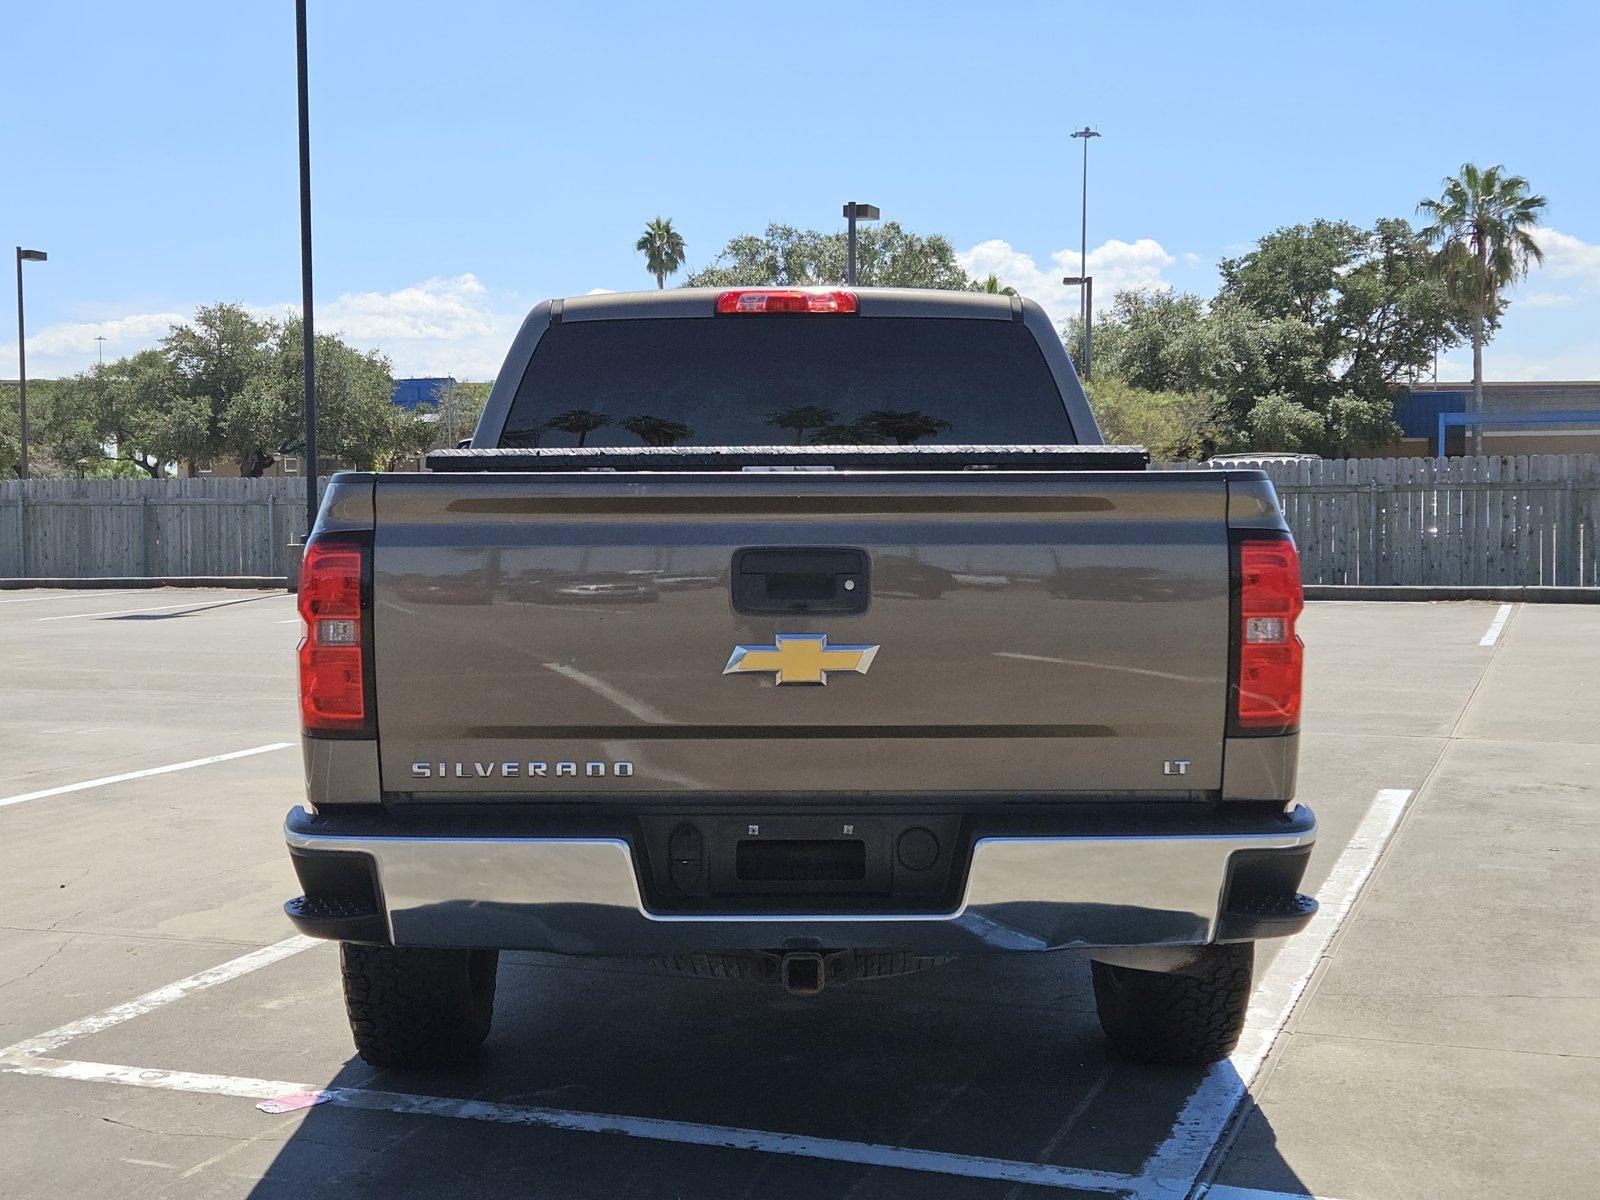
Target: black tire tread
(412,1007)
(1185,1019)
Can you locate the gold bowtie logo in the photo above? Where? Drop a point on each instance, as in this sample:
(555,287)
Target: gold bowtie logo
(800,658)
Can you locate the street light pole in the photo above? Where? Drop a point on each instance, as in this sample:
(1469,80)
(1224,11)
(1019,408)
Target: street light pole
(101,339)
(852,213)
(309,347)
(1083,242)
(1086,282)
(22,359)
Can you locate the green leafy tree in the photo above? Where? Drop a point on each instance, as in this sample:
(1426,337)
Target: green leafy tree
(215,360)
(357,420)
(461,404)
(663,250)
(887,255)
(1483,224)
(1175,426)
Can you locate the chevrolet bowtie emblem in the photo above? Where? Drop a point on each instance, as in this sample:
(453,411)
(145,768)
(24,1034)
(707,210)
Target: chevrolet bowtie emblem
(800,658)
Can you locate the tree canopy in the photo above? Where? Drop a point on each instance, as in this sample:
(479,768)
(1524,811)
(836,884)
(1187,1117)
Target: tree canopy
(663,249)
(887,255)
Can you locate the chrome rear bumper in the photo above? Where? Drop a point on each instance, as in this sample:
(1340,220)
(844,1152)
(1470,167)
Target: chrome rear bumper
(582,895)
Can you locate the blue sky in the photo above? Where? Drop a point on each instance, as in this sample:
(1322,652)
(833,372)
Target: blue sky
(470,159)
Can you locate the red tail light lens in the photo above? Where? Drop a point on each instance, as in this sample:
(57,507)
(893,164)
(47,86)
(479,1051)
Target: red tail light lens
(333,693)
(785,300)
(1270,653)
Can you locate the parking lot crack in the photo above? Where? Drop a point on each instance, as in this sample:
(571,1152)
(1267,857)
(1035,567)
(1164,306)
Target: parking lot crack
(42,964)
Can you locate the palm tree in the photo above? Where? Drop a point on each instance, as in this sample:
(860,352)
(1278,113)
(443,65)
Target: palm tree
(802,418)
(1483,226)
(656,431)
(580,422)
(663,250)
(992,286)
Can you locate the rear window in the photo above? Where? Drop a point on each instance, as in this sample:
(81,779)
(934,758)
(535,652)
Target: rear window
(782,380)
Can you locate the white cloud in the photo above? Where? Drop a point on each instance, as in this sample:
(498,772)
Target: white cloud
(1548,300)
(1567,257)
(1574,361)
(1115,265)
(441,326)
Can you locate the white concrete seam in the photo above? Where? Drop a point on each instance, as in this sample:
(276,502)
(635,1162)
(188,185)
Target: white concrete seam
(1496,625)
(1176,1164)
(688,1133)
(90,594)
(118,1014)
(106,780)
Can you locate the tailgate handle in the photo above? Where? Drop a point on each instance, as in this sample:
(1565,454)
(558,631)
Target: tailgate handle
(786,580)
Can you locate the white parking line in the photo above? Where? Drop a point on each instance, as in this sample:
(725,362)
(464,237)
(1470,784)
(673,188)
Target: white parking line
(123,612)
(56,1038)
(84,594)
(629,704)
(166,770)
(688,1133)
(1496,625)
(1171,1172)
(1177,1162)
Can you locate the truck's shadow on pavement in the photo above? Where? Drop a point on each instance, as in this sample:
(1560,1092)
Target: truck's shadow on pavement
(999,1058)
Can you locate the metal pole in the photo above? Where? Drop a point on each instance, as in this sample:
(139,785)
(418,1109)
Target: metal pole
(309,349)
(1083,252)
(1088,324)
(850,267)
(22,374)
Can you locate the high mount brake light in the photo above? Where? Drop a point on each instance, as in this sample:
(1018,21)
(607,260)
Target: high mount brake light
(785,300)
(1270,653)
(333,684)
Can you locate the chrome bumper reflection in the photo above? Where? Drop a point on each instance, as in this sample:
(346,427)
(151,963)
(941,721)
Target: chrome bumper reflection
(581,896)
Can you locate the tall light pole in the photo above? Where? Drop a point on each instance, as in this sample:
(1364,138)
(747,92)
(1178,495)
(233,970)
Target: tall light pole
(309,348)
(101,339)
(854,212)
(1083,243)
(22,358)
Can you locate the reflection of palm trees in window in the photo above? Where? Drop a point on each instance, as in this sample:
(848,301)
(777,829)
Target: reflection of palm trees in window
(656,431)
(904,427)
(580,422)
(845,435)
(802,418)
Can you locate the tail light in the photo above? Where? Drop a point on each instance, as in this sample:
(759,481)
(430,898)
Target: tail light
(334,654)
(785,300)
(1269,654)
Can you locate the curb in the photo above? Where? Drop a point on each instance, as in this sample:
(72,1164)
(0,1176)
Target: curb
(1529,594)
(252,582)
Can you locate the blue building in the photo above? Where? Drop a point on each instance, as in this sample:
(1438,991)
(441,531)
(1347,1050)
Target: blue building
(1524,417)
(413,393)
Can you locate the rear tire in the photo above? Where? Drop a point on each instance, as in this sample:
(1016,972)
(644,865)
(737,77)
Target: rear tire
(1186,1019)
(416,1007)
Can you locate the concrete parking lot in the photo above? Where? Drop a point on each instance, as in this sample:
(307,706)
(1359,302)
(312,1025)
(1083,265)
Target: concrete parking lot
(1435,1034)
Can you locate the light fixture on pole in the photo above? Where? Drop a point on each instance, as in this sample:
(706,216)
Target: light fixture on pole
(1083,240)
(1087,283)
(854,212)
(101,339)
(22,360)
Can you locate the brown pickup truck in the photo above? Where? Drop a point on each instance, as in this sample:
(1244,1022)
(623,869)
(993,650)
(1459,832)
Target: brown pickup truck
(798,635)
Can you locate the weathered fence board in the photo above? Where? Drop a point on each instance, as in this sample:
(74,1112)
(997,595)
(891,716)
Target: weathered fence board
(1514,520)
(85,528)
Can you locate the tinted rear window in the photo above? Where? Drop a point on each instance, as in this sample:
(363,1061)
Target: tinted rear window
(780,380)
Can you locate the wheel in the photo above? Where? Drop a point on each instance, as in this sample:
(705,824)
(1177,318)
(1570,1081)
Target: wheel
(1190,1018)
(417,1008)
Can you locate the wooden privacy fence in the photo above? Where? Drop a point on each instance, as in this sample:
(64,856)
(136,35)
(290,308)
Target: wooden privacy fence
(1512,520)
(84,528)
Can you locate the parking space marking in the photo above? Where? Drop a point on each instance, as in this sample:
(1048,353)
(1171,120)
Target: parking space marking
(688,1133)
(197,605)
(1176,1164)
(105,780)
(1496,625)
(1242,1193)
(118,1014)
(81,595)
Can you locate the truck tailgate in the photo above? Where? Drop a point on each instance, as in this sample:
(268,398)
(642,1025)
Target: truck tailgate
(552,635)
